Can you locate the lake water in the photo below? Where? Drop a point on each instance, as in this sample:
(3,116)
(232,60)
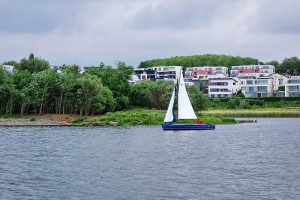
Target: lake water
(244,161)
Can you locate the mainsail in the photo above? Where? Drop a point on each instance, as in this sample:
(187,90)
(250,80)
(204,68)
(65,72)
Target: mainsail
(185,109)
(170,117)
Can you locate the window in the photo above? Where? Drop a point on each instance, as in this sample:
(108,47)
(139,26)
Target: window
(219,83)
(249,82)
(214,90)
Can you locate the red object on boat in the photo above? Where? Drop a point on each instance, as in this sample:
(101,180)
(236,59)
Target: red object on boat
(199,121)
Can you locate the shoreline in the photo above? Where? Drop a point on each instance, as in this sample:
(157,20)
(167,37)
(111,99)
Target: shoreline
(145,117)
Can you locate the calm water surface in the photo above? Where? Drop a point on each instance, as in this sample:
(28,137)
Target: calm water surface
(246,161)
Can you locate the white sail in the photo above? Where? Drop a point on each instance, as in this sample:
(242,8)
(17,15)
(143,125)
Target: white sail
(185,109)
(169,115)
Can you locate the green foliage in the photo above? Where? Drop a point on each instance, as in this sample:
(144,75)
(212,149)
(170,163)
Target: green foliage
(153,117)
(198,100)
(200,60)
(116,80)
(210,119)
(135,117)
(78,121)
(32,119)
(290,66)
(234,103)
(151,94)
(33,64)
(36,88)
(239,94)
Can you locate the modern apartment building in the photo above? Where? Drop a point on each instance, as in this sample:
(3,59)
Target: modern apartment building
(292,88)
(257,86)
(145,74)
(167,72)
(206,72)
(223,87)
(252,70)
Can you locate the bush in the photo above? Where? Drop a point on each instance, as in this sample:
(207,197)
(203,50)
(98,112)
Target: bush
(32,119)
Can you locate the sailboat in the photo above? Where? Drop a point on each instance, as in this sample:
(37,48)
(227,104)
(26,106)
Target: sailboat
(185,111)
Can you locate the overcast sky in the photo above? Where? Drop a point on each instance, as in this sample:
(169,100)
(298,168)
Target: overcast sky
(86,32)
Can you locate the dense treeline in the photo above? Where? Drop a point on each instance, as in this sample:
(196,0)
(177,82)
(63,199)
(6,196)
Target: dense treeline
(35,87)
(289,66)
(200,60)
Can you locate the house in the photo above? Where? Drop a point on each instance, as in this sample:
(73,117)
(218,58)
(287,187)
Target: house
(206,72)
(279,82)
(252,70)
(8,68)
(223,87)
(292,88)
(145,73)
(253,86)
(168,73)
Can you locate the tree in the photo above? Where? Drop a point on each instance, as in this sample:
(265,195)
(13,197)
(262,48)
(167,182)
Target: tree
(33,64)
(290,66)
(22,81)
(92,97)
(116,80)
(198,100)
(7,92)
(31,56)
(151,94)
(200,60)
(275,63)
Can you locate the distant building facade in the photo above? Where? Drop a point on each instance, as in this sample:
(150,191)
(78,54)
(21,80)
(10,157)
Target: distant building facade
(257,86)
(292,88)
(145,73)
(167,73)
(223,87)
(206,72)
(252,70)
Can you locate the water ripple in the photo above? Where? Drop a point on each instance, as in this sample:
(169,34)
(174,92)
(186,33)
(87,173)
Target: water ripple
(245,161)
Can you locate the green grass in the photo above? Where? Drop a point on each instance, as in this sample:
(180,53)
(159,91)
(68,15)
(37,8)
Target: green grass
(134,117)
(261,112)
(154,117)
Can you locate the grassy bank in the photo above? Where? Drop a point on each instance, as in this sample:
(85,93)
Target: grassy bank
(261,112)
(148,117)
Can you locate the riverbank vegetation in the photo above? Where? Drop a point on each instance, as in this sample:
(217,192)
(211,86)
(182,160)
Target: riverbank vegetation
(148,117)
(254,113)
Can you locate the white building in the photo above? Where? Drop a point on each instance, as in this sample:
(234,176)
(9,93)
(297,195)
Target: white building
(252,70)
(292,88)
(257,86)
(167,72)
(279,81)
(8,68)
(145,73)
(206,72)
(223,87)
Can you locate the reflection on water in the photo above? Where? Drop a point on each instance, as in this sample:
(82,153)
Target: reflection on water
(245,161)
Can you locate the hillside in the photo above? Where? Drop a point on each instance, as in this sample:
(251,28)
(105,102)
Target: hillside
(200,60)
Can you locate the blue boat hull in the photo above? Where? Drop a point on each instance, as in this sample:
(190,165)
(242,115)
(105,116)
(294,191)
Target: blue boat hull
(188,127)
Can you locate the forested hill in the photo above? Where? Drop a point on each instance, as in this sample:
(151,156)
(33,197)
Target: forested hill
(199,60)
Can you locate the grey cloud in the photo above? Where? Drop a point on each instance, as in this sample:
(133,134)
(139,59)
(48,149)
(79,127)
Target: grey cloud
(178,14)
(278,17)
(32,16)
(90,31)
